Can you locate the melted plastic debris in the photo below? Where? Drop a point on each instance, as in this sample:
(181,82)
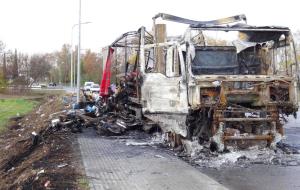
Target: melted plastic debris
(136,143)
(141,139)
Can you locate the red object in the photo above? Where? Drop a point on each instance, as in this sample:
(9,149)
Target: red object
(105,82)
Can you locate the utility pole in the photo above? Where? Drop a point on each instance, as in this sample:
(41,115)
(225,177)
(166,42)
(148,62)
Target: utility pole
(78,61)
(71,62)
(74,69)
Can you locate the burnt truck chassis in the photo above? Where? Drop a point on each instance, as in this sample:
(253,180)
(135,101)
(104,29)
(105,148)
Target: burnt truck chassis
(223,106)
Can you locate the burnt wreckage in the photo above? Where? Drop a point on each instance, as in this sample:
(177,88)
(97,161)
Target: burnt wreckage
(196,87)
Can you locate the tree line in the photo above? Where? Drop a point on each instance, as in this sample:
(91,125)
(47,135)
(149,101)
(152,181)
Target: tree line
(24,70)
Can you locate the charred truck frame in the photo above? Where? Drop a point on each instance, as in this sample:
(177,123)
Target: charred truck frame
(221,92)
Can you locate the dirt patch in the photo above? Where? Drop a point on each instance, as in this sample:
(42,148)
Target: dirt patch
(34,157)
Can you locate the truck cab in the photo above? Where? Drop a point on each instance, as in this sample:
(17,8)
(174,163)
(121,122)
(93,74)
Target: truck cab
(196,86)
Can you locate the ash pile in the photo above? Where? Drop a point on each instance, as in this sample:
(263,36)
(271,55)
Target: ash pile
(201,156)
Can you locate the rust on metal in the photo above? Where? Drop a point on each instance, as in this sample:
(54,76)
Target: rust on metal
(198,87)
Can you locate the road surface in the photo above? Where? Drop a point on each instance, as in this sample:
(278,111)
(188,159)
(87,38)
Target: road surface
(111,164)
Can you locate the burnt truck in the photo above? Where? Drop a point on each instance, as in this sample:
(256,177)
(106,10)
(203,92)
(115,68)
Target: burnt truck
(197,87)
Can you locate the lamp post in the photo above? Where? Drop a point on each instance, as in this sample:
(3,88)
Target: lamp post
(71,53)
(78,55)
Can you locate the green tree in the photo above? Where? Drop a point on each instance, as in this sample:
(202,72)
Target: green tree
(63,60)
(3,83)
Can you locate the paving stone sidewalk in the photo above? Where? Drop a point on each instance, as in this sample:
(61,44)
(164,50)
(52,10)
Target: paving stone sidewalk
(111,164)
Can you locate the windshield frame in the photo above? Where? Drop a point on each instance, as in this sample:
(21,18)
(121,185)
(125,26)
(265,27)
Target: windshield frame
(191,49)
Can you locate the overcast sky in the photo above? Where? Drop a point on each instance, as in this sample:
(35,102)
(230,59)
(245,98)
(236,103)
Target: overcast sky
(44,25)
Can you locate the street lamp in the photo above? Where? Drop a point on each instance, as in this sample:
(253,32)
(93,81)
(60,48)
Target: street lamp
(71,53)
(78,54)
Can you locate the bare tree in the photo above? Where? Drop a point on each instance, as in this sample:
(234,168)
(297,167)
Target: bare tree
(2,48)
(4,66)
(296,36)
(15,71)
(3,83)
(39,67)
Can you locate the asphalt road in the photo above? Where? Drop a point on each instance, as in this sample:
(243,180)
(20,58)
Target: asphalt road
(68,89)
(260,176)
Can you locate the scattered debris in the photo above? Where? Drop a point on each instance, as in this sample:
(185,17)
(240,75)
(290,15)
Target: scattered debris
(135,143)
(191,147)
(62,165)
(40,172)
(242,158)
(47,184)
(36,146)
(158,156)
